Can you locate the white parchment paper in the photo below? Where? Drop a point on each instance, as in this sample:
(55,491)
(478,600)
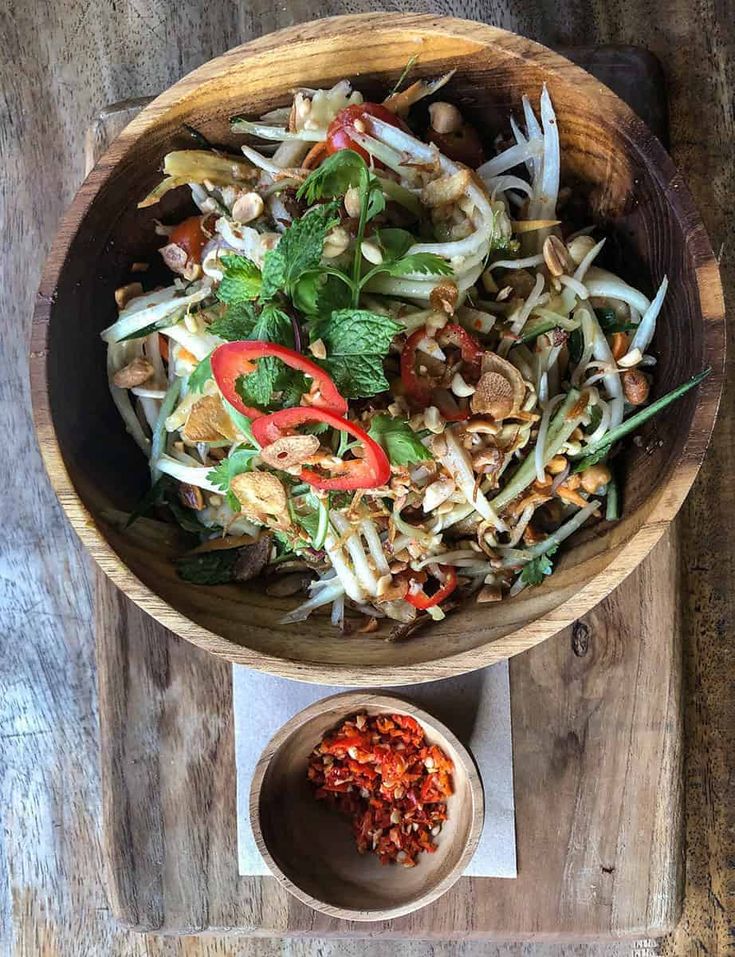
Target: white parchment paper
(476,707)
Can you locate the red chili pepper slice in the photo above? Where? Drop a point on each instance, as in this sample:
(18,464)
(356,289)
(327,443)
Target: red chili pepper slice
(420,599)
(423,390)
(370,471)
(338,133)
(234,359)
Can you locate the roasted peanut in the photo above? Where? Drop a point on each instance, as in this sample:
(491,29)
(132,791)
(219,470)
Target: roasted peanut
(594,478)
(635,386)
(445,117)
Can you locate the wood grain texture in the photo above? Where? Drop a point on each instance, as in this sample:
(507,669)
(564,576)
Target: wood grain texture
(596,768)
(632,192)
(596,704)
(62,63)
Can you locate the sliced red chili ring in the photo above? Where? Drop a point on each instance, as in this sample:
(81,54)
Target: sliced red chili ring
(235,359)
(370,471)
(423,390)
(420,598)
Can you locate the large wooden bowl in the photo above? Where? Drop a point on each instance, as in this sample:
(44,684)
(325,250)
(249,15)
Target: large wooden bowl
(310,849)
(633,192)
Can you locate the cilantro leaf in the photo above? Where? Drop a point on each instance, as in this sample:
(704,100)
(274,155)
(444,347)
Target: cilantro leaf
(376,200)
(299,250)
(538,568)
(201,374)
(356,341)
(426,263)
(237,322)
(241,280)
(399,442)
(222,475)
(333,177)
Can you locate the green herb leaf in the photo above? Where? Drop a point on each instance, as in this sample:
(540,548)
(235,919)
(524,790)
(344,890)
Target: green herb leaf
(242,422)
(271,375)
(333,177)
(357,377)
(538,568)
(319,294)
(394,243)
(201,374)
(237,323)
(593,453)
(428,264)
(241,281)
(222,475)
(352,332)
(400,443)
(299,250)
(356,341)
(376,200)
(595,417)
(208,568)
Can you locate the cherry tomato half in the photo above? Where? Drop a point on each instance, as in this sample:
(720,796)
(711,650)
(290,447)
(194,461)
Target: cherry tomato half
(191,236)
(338,134)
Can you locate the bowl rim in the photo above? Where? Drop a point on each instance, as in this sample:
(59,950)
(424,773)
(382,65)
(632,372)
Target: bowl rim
(657,512)
(351,701)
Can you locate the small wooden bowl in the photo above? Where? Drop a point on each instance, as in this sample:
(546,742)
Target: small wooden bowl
(631,190)
(309,847)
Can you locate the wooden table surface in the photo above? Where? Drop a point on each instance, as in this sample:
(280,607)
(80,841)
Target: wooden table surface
(60,63)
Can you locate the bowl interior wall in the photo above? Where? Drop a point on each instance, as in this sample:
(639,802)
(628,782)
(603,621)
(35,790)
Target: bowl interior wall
(620,191)
(313,845)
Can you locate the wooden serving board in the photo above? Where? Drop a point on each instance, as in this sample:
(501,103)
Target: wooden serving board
(596,716)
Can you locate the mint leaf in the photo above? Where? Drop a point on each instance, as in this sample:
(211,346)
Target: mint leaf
(273,325)
(235,464)
(399,442)
(299,250)
(319,294)
(201,374)
(357,377)
(237,322)
(333,177)
(241,281)
(538,568)
(271,375)
(354,332)
(356,341)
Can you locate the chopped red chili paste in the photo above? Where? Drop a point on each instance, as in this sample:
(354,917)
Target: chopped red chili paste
(382,773)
